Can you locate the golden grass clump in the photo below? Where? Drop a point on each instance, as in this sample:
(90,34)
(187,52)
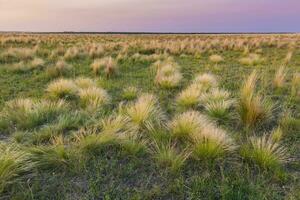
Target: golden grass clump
(265,152)
(59,51)
(27,65)
(167,156)
(184,125)
(95,51)
(189,97)
(280,76)
(214,95)
(216,58)
(288,57)
(251,59)
(206,80)
(93,97)
(59,69)
(116,124)
(217,103)
(19,67)
(130,93)
(211,143)
(28,113)
(277,134)
(62,88)
(157,65)
(168,76)
(14,164)
(72,53)
(55,157)
(145,112)
(219,109)
(84,83)
(253,108)
(295,89)
(107,64)
(97,65)
(37,62)
(19,53)
(90,142)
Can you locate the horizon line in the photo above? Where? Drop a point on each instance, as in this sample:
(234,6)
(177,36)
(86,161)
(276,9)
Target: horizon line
(148,32)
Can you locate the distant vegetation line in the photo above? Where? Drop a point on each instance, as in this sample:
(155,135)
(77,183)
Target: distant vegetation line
(150,33)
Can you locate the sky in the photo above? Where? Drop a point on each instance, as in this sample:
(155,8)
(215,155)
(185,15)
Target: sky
(150,15)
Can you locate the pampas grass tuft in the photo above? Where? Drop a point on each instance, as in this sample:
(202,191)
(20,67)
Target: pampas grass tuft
(93,97)
(145,112)
(168,76)
(216,58)
(265,152)
(280,76)
(253,109)
(62,88)
(14,163)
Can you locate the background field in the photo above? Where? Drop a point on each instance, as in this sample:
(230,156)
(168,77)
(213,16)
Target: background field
(65,167)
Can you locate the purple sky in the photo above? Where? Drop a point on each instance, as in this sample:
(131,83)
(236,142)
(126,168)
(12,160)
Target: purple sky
(151,15)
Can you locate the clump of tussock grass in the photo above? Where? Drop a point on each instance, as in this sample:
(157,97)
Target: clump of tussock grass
(214,95)
(125,135)
(157,65)
(130,93)
(265,152)
(189,97)
(277,134)
(60,68)
(246,50)
(28,113)
(107,64)
(95,51)
(93,97)
(168,76)
(58,52)
(19,67)
(54,157)
(295,85)
(289,123)
(216,58)
(167,156)
(27,66)
(217,103)
(116,124)
(62,88)
(251,59)
(253,108)
(288,57)
(133,146)
(37,63)
(14,165)
(211,143)
(145,112)
(63,123)
(207,80)
(73,53)
(219,109)
(91,142)
(279,78)
(83,82)
(23,54)
(184,125)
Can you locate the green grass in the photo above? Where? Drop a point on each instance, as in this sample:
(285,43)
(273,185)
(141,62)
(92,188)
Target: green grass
(139,143)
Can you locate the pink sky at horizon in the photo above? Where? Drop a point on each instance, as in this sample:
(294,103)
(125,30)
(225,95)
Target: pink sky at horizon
(150,15)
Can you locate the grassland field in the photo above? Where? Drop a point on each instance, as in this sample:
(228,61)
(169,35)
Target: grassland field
(149,116)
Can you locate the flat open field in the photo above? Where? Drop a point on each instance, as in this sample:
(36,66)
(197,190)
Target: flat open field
(149,116)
